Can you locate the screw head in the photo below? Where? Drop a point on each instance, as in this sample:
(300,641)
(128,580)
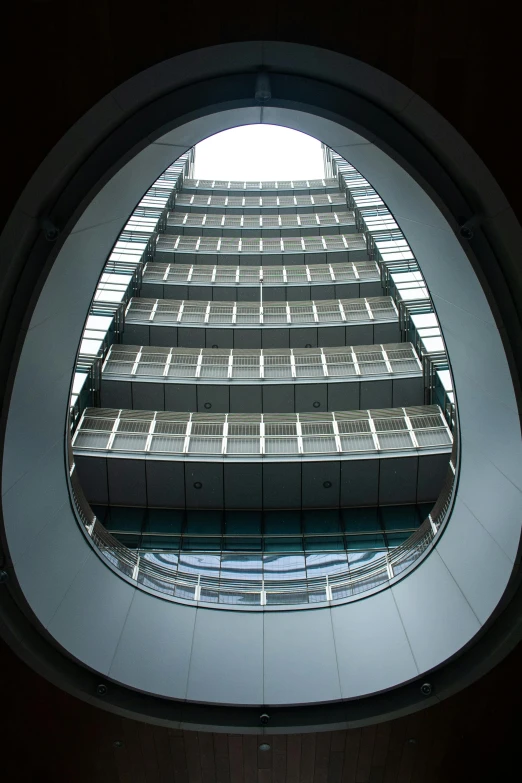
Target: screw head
(264,746)
(4,576)
(197,485)
(426,689)
(264,718)
(207,405)
(117,744)
(466,233)
(308,345)
(101,689)
(316,404)
(215,346)
(327,484)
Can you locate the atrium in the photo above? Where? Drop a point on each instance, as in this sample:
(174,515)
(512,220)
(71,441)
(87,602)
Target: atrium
(264,421)
(267,472)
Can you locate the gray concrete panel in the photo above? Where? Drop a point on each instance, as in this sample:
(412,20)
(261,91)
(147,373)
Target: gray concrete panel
(310,397)
(279,399)
(376,394)
(204,484)
(372,648)
(300,665)
(191,337)
(163,336)
(321,484)
(165,484)
(343,396)
(127,484)
(213,398)
(243,486)
(181,397)
(148,396)
(219,338)
(360,482)
(398,480)
(93,478)
(116,394)
(232,674)
(433,469)
(154,651)
(281,485)
(95,599)
(247,338)
(246,399)
(407,392)
(437,617)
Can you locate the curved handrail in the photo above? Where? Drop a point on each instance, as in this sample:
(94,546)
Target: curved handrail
(336,586)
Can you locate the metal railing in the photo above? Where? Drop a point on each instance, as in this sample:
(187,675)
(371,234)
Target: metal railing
(345,585)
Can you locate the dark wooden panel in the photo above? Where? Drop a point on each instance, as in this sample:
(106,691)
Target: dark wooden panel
(364,760)
(163,754)
(293,760)
(322,757)
(279,757)
(178,749)
(250,743)
(193,759)
(206,757)
(235,752)
(351,755)
(307,758)
(221,758)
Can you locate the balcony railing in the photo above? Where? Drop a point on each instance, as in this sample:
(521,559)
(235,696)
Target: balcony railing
(342,586)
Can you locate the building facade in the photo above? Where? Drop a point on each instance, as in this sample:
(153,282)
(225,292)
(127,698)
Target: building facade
(268,419)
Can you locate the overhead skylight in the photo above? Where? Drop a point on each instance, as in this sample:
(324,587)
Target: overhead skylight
(259,152)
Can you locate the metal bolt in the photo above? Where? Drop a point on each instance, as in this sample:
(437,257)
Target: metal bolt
(317,404)
(264,718)
(466,233)
(101,689)
(50,230)
(426,689)
(207,405)
(327,484)
(197,485)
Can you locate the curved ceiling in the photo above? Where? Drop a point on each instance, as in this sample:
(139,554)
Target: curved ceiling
(159,648)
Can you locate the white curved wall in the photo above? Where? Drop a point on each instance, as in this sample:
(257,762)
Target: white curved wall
(297,657)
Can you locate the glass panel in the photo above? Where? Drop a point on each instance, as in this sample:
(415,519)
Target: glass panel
(365,542)
(321,564)
(160,542)
(243,522)
(206,565)
(126,520)
(281,544)
(248,566)
(360,520)
(201,544)
(278,567)
(204,522)
(321,521)
(133,542)
(322,543)
(282,522)
(250,544)
(399,517)
(163,521)
(396,539)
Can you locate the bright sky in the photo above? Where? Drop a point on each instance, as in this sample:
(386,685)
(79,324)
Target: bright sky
(259,152)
